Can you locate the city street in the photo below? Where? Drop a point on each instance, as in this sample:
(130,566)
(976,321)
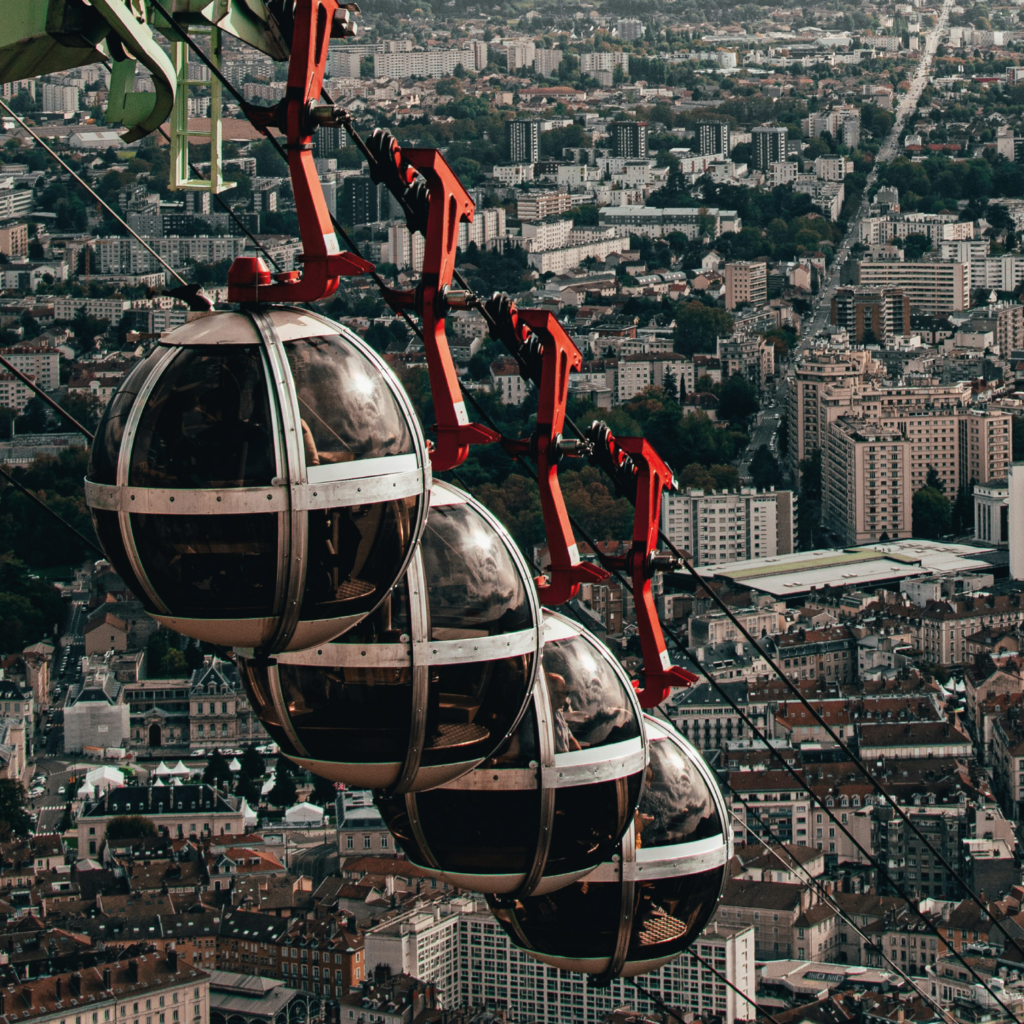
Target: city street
(888,150)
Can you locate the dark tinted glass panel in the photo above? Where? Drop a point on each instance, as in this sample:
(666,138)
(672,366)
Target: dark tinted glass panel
(676,805)
(255,677)
(672,912)
(108,533)
(468,831)
(213,566)
(473,585)
(349,715)
(107,444)
(354,554)
(472,707)
(578,921)
(207,423)
(588,698)
(589,823)
(347,407)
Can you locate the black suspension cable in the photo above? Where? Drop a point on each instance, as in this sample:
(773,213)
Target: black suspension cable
(40,393)
(825,896)
(106,206)
(49,511)
(689,567)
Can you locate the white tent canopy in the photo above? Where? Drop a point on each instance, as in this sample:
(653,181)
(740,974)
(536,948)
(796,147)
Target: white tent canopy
(304,814)
(162,769)
(180,769)
(248,814)
(235,765)
(86,792)
(105,778)
(159,782)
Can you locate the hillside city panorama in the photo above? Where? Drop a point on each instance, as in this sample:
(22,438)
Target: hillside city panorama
(788,242)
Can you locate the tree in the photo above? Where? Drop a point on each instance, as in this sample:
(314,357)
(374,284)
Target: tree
(323,792)
(931,514)
(698,327)
(14,819)
(669,385)
(963,510)
(252,762)
(934,481)
(247,788)
(764,469)
(217,770)
(737,401)
(284,793)
(915,246)
(130,826)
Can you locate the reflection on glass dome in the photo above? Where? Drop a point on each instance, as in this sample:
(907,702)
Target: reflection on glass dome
(536,814)
(428,685)
(222,486)
(639,911)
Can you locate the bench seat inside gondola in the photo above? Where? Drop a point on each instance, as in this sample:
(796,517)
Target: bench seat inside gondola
(457,707)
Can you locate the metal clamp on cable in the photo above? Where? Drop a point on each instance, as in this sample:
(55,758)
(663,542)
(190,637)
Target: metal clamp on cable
(324,264)
(448,206)
(642,476)
(544,342)
(388,166)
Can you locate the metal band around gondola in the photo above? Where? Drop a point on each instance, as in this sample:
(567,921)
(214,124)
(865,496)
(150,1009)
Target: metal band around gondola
(281,708)
(666,862)
(131,428)
(627,907)
(393,482)
(418,622)
(293,526)
(546,758)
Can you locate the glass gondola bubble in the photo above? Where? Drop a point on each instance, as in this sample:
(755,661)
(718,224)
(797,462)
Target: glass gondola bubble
(260,479)
(430,684)
(644,907)
(554,801)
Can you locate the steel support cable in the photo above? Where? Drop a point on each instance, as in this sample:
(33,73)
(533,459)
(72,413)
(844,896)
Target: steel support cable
(689,567)
(216,195)
(39,392)
(49,511)
(759,734)
(106,206)
(827,898)
(216,71)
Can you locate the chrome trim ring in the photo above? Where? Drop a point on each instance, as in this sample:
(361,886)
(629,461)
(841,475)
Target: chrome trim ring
(618,760)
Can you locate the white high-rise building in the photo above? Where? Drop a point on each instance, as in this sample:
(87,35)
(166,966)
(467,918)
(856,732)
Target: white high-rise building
(463,951)
(728,526)
(1015,520)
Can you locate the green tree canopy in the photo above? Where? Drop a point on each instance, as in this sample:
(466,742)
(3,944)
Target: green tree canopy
(737,400)
(931,514)
(698,327)
(130,826)
(253,763)
(764,469)
(217,770)
(14,818)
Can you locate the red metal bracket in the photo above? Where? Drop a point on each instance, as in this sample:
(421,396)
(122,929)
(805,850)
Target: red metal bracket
(249,279)
(559,358)
(652,478)
(450,204)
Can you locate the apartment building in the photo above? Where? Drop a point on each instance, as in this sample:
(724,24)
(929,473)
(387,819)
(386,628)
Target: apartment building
(936,227)
(458,947)
(655,221)
(730,526)
(866,487)
(635,373)
(703,715)
(534,206)
(884,312)
(713,138)
(816,371)
(769,146)
(523,141)
(177,811)
(751,355)
(931,287)
(828,655)
(14,239)
(132,990)
(746,284)
(1005,320)
(424,63)
(629,138)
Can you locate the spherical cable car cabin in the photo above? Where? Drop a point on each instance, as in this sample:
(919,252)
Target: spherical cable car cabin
(554,801)
(645,906)
(260,480)
(430,684)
